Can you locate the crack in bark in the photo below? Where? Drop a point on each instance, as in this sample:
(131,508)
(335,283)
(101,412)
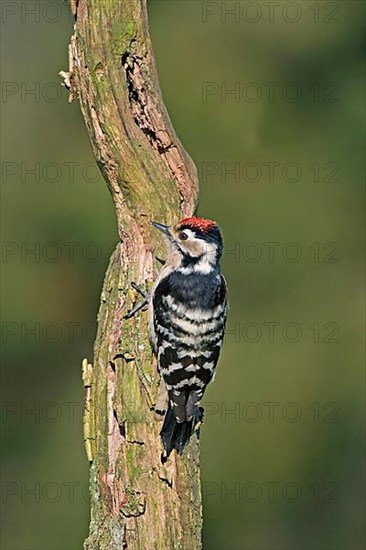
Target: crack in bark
(167,482)
(126,356)
(121,425)
(140,100)
(112,365)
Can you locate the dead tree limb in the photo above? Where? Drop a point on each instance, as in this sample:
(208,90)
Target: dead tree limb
(136,501)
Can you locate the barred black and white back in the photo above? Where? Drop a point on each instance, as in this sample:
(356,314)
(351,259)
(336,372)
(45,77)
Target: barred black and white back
(187,319)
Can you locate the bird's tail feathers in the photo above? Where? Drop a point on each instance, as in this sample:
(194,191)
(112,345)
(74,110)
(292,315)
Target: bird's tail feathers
(175,435)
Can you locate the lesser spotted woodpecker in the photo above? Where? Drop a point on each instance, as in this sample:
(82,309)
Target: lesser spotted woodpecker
(187,316)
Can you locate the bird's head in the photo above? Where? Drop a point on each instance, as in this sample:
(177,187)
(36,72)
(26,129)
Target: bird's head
(194,243)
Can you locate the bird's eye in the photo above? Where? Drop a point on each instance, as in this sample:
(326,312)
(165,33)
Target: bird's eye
(183,236)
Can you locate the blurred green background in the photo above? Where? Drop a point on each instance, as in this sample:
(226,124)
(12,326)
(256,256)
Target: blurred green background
(284,468)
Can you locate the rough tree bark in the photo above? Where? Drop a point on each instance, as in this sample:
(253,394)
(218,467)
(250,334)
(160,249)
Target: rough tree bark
(136,501)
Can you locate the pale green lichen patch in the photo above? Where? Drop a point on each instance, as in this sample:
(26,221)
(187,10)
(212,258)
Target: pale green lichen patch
(136,503)
(123,33)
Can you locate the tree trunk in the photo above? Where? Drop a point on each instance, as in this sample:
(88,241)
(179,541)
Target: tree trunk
(136,501)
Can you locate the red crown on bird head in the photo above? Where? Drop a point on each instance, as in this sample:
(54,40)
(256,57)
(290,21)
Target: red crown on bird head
(197,223)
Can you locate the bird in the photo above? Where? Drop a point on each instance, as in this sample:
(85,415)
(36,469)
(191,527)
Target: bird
(187,313)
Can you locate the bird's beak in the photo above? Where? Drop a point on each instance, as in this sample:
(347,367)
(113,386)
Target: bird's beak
(163,228)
